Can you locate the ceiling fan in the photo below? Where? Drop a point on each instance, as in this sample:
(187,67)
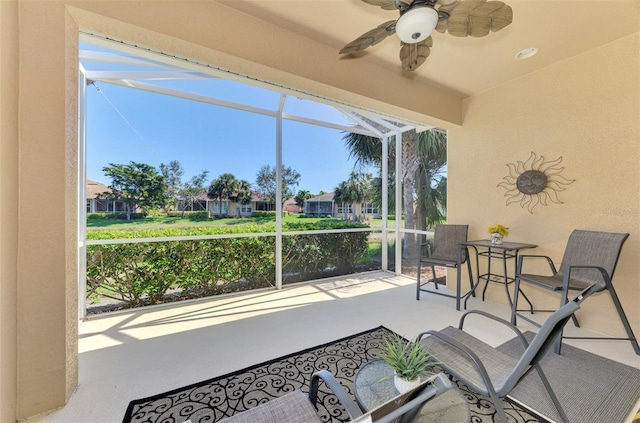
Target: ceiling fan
(418,19)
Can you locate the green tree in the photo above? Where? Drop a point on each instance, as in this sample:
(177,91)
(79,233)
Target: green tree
(302,195)
(183,194)
(354,191)
(243,193)
(341,195)
(266,182)
(222,188)
(173,177)
(136,185)
(423,159)
(431,182)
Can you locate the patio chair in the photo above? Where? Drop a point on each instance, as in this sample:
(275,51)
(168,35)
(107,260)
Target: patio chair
(297,407)
(448,252)
(487,371)
(589,258)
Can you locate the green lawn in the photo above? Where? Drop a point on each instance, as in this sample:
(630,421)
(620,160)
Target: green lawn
(175,222)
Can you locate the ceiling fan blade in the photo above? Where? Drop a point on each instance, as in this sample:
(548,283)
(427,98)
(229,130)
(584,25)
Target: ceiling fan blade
(488,17)
(458,22)
(414,55)
(475,18)
(370,38)
(446,7)
(386,4)
(480,18)
(501,17)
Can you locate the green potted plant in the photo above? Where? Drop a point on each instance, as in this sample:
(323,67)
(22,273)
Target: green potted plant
(409,360)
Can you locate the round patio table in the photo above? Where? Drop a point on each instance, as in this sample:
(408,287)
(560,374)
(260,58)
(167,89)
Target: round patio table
(373,386)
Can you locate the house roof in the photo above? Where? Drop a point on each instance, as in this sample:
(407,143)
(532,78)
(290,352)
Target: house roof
(94,188)
(324,197)
(255,196)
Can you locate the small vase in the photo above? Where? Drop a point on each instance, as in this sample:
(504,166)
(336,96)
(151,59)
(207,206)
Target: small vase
(496,239)
(404,385)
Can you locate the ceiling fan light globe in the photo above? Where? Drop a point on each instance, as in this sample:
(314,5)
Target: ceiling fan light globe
(416,24)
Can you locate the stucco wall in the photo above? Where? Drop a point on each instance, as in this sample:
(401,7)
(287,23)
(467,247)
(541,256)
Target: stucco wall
(8,207)
(587,111)
(47,238)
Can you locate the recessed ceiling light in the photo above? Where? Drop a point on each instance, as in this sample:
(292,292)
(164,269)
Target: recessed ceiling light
(527,53)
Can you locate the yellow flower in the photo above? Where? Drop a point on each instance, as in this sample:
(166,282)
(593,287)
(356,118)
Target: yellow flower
(498,229)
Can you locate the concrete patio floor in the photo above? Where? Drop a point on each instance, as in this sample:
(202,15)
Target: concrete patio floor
(133,354)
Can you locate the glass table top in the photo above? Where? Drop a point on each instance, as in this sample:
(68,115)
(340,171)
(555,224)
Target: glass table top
(373,386)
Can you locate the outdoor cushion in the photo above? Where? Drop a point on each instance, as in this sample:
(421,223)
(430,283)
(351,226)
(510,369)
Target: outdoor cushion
(294,407)
(498,365)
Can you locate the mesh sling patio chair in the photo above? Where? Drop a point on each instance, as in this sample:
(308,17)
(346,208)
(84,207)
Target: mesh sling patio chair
(487,371)
(590,257)
(298,407)
(447,251)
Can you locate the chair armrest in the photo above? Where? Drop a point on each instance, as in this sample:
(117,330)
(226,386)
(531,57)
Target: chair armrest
(345,400)
(422,245)
(521,260)
(605,276)
(497,319)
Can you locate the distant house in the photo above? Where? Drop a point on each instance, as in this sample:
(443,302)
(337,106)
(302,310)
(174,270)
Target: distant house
(324,205)
(198,204)
(291,206)
(321,205)
(95,204)
(258,203)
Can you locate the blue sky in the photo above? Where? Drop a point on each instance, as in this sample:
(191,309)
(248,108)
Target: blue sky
(125,124)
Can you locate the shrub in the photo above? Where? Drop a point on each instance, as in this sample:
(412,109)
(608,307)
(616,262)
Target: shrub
(263,213)
(115,216)
(142,273)
(155,212)
(201,214)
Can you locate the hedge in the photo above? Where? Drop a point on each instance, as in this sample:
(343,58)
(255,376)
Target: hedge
(262,213)
(143,273)
(115,216)
(188,214)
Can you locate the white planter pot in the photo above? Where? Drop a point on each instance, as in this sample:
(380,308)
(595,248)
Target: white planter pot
(404,385)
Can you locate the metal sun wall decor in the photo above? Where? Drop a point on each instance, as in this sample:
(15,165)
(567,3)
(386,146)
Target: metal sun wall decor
(534,182)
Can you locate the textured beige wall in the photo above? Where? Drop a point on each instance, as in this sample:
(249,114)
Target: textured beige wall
(587,110)
(8,207)
(47,241)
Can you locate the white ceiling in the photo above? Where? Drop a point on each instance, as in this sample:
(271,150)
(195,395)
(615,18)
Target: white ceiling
(467,66)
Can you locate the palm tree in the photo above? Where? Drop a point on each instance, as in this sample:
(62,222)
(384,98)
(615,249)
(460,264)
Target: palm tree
(242,194)
(341,196)
(302,195)
(353,191)
(222,188)
(431,187)
(423,160)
